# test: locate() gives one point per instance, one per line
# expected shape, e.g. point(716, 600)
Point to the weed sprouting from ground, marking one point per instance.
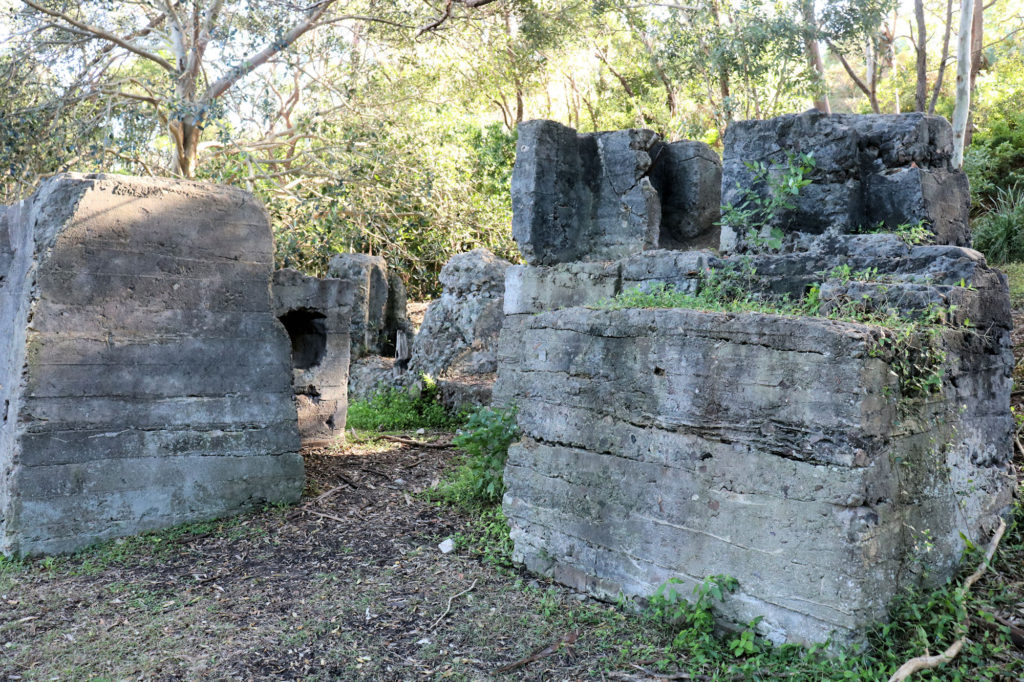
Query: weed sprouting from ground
point(476, 485)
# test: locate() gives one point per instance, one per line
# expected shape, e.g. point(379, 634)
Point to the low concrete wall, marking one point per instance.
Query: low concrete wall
point(664, 444)
point(145, 377)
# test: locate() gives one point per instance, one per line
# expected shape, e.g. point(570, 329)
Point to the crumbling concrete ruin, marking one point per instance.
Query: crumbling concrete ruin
point(821, 463)
point(458, 341)
point(316, 314)
point(380, 328)
point(144, 378)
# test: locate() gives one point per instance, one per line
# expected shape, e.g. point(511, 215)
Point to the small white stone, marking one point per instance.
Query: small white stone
point(447, 546)
point(420, 432)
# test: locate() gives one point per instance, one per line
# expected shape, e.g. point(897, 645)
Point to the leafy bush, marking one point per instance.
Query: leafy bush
point(396, 409)
point(999, 233)
point(477, 482)
point(757, 211)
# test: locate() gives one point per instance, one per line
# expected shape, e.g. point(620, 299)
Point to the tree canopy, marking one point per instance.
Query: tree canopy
point(389, 127)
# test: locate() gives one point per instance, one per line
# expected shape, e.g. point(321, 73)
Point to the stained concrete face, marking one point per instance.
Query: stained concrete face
point(604, 196)
point(871, 172)
point(378, 302)
point(145, 377)
point(792, 453)
point(315, 313)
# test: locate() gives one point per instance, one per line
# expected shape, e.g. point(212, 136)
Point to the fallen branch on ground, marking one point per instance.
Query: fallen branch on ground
point(450, 600)
point(326, 516)
point(927, 662)
point(417, 443)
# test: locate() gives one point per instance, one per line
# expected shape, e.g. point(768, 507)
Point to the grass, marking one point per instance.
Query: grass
point(1015, 273)
point(397, 409)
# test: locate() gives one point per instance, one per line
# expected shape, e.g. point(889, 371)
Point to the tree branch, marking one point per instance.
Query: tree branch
point(100, 33)
point(849, 70)
point(470, 4)
point(227, 80)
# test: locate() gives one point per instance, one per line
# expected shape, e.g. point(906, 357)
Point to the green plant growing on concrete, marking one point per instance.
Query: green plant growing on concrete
point(914, 234)
point(754, 215)
point(398, 409)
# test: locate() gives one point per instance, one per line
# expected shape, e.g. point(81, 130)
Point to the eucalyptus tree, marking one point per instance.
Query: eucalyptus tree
point(178, 58)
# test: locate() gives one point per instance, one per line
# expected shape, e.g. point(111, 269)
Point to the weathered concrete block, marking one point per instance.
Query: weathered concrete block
point(459, 335)
point(688, 178)
point(534, 289)
point(871, 171)
point(665, 444)
point(369, 277)
point(144, 379)
point(603, 196)
point(315, 312)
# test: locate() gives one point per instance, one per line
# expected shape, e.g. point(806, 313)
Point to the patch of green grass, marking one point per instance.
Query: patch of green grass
point(1015, 273)
point(396, 409)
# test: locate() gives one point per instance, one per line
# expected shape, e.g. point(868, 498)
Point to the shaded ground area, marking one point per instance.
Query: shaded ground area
point(350, 585)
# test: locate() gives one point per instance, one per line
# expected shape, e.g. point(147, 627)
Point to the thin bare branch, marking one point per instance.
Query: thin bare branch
point(226, 81)
point(105, 35)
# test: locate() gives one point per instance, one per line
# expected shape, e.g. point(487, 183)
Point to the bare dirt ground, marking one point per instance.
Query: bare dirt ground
point(350, 585)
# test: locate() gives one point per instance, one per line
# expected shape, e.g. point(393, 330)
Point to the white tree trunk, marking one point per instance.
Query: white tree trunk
point(963, 81)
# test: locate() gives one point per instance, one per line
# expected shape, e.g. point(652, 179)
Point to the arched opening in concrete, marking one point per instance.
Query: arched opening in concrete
point(308, 333)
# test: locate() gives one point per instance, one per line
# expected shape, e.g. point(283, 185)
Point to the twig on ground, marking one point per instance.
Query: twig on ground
point(417, 443)
point(568, 639)
point(450, 600)
point(326, 516)
point(927, 662)
point(378, 472)
point(1016, 633)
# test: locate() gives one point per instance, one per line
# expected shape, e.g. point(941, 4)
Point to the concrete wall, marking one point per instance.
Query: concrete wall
point(784, 451)
point(315, 313)
point(147, 381)
point(664, 444)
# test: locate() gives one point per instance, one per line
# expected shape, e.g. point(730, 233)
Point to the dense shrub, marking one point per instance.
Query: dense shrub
point(999, 233)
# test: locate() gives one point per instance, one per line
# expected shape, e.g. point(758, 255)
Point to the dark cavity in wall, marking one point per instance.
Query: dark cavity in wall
point(307, 331)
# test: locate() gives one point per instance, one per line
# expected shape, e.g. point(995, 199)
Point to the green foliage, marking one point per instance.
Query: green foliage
point(1015, 273)
point(999, 233)
point(477, 483)
point(771, 191)
point(914, 234)
point(915, 355)
point(397, 409)
point(995, 157)
point(487, 537)
point(728, 289)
